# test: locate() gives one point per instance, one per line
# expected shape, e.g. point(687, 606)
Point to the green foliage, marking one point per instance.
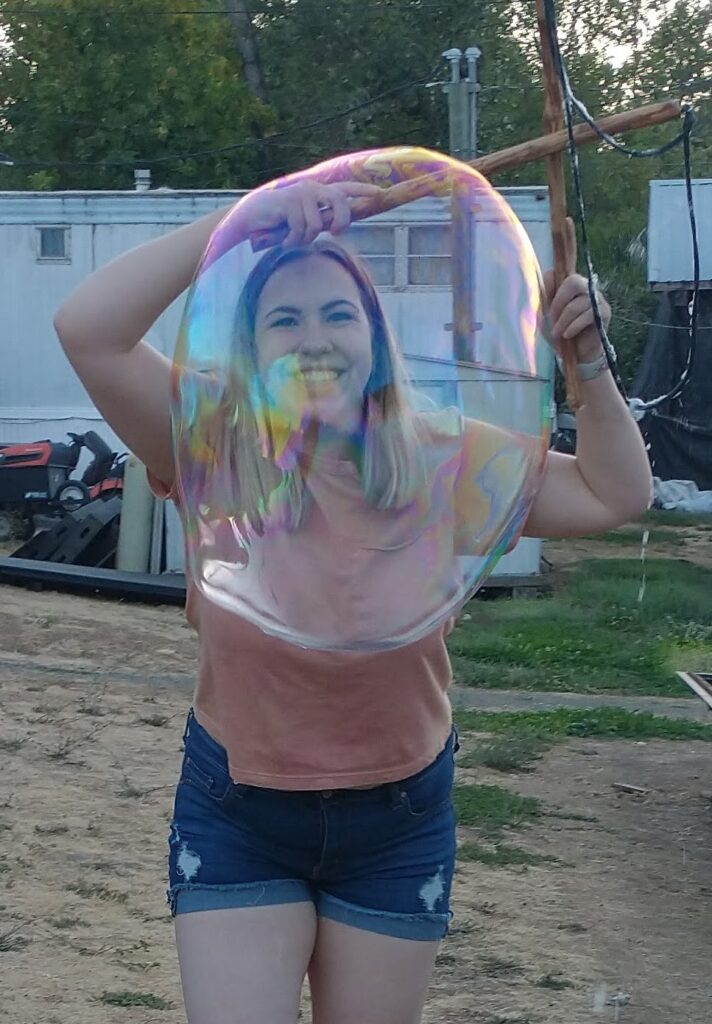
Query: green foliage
point(673, 518)
point(606, 723)
point(513, 754)
point(10, 942)
point(97, 891)
point(634, 535)
point(502, 855)
point(135, 999)
point(491, 808)
point(83, 81)
point(356, 50)
point(109, 83)
point(595, 636)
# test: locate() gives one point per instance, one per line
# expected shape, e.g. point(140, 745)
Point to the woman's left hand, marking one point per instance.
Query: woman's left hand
point(571, 310)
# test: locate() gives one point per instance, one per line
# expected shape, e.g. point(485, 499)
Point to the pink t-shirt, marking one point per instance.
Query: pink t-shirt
point(292, 718)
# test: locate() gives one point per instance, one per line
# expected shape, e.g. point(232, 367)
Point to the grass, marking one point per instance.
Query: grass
point(558, 724)
point(554, 982)
point(671, 518)
point(93, 710)
point(498, 1019)
point(135, 999)
point(497, 967)
point(492, 808)
point(10, 745)
point(157, 721)
point(101, 892)
point(627, 535)
point(510, 754)
point(10, 942)
point(501, 855)
point(67, 922)
point(593, 636)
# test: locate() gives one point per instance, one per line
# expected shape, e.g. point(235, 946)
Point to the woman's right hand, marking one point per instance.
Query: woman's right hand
point(296, 214)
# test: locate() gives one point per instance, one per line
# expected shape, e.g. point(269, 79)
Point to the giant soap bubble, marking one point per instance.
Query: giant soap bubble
point(361, 422)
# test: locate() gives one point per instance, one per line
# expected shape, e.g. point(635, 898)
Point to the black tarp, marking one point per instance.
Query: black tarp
point(679, 431)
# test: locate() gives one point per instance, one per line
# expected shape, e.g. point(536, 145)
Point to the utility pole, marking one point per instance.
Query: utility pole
point(462, 94)
point(462, 90)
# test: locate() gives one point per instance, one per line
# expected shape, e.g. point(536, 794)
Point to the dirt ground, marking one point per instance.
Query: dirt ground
point(691, 543)
point(93, 696)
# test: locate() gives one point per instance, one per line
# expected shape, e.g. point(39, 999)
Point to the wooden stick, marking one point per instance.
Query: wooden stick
point(463, 306)
point(553, 104)
point(555, 142)
point(493, 163)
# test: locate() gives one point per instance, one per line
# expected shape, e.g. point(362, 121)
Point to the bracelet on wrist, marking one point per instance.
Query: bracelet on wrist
point(589, 371)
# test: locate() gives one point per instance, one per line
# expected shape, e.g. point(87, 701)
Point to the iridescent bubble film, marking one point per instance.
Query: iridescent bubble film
point(361, 422)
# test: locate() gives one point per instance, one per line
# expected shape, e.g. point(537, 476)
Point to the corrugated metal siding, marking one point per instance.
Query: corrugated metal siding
point(669, 234)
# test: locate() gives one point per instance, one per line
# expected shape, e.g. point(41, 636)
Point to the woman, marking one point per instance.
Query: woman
point(306, 454)
point(313, 830)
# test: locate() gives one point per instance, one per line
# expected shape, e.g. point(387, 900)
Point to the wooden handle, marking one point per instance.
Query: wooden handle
point(553, 105)
point(437, 183)
point(556, 142)
point(494, 163)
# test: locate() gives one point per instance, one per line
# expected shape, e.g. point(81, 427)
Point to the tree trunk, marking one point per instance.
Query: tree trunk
point(236, 11)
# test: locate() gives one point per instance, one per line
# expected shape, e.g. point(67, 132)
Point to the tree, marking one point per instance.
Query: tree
point(244, 35)
point(320, 57)
point(113, 84)
point(119, 80)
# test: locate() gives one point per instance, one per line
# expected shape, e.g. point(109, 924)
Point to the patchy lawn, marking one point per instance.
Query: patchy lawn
point(612, 624)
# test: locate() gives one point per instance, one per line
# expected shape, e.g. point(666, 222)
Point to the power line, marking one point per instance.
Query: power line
point(572, 103)
point(653, 323)
point(272, 139)
point(26, 12)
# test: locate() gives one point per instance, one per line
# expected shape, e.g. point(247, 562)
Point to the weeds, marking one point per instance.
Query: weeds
point(67, 922)
point(100, 892)
point(93, 710)
point(608, 723)
point(10, 745)
point(11, 942)
point(502, 855)
point(515, 753)
point(135, 999)
point(491, 808)
point(51, 830)
point(496, 967)
point(593, 636)
point(63, 749)
point(554, 982)
point(157, 720)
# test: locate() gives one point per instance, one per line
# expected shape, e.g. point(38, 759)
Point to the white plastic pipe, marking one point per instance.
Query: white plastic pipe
point(136, 526)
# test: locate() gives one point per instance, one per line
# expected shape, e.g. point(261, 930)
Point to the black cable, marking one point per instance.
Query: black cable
point(611, 356)
point(571, 103)
point(25, 12)
point(272, 139)
point(654, 323)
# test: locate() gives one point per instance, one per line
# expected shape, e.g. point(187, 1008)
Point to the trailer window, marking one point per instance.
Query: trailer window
point(429, 255)
point(53, 244)
point(375, 243)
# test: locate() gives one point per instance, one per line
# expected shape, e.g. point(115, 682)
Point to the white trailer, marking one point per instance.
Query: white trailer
point(50, 241)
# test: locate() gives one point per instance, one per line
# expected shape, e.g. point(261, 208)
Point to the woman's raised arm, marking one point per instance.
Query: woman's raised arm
point(103, 323)
point(102, 326)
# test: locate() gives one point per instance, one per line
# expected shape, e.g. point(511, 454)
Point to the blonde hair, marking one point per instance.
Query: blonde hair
point(246, 478)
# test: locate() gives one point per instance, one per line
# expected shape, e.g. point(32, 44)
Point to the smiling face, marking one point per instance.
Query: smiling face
point(314, 341)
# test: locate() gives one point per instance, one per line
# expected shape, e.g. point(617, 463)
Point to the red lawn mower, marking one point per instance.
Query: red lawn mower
point(36, 480)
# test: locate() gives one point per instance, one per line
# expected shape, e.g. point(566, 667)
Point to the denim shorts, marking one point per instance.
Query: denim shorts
point(378, 859)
